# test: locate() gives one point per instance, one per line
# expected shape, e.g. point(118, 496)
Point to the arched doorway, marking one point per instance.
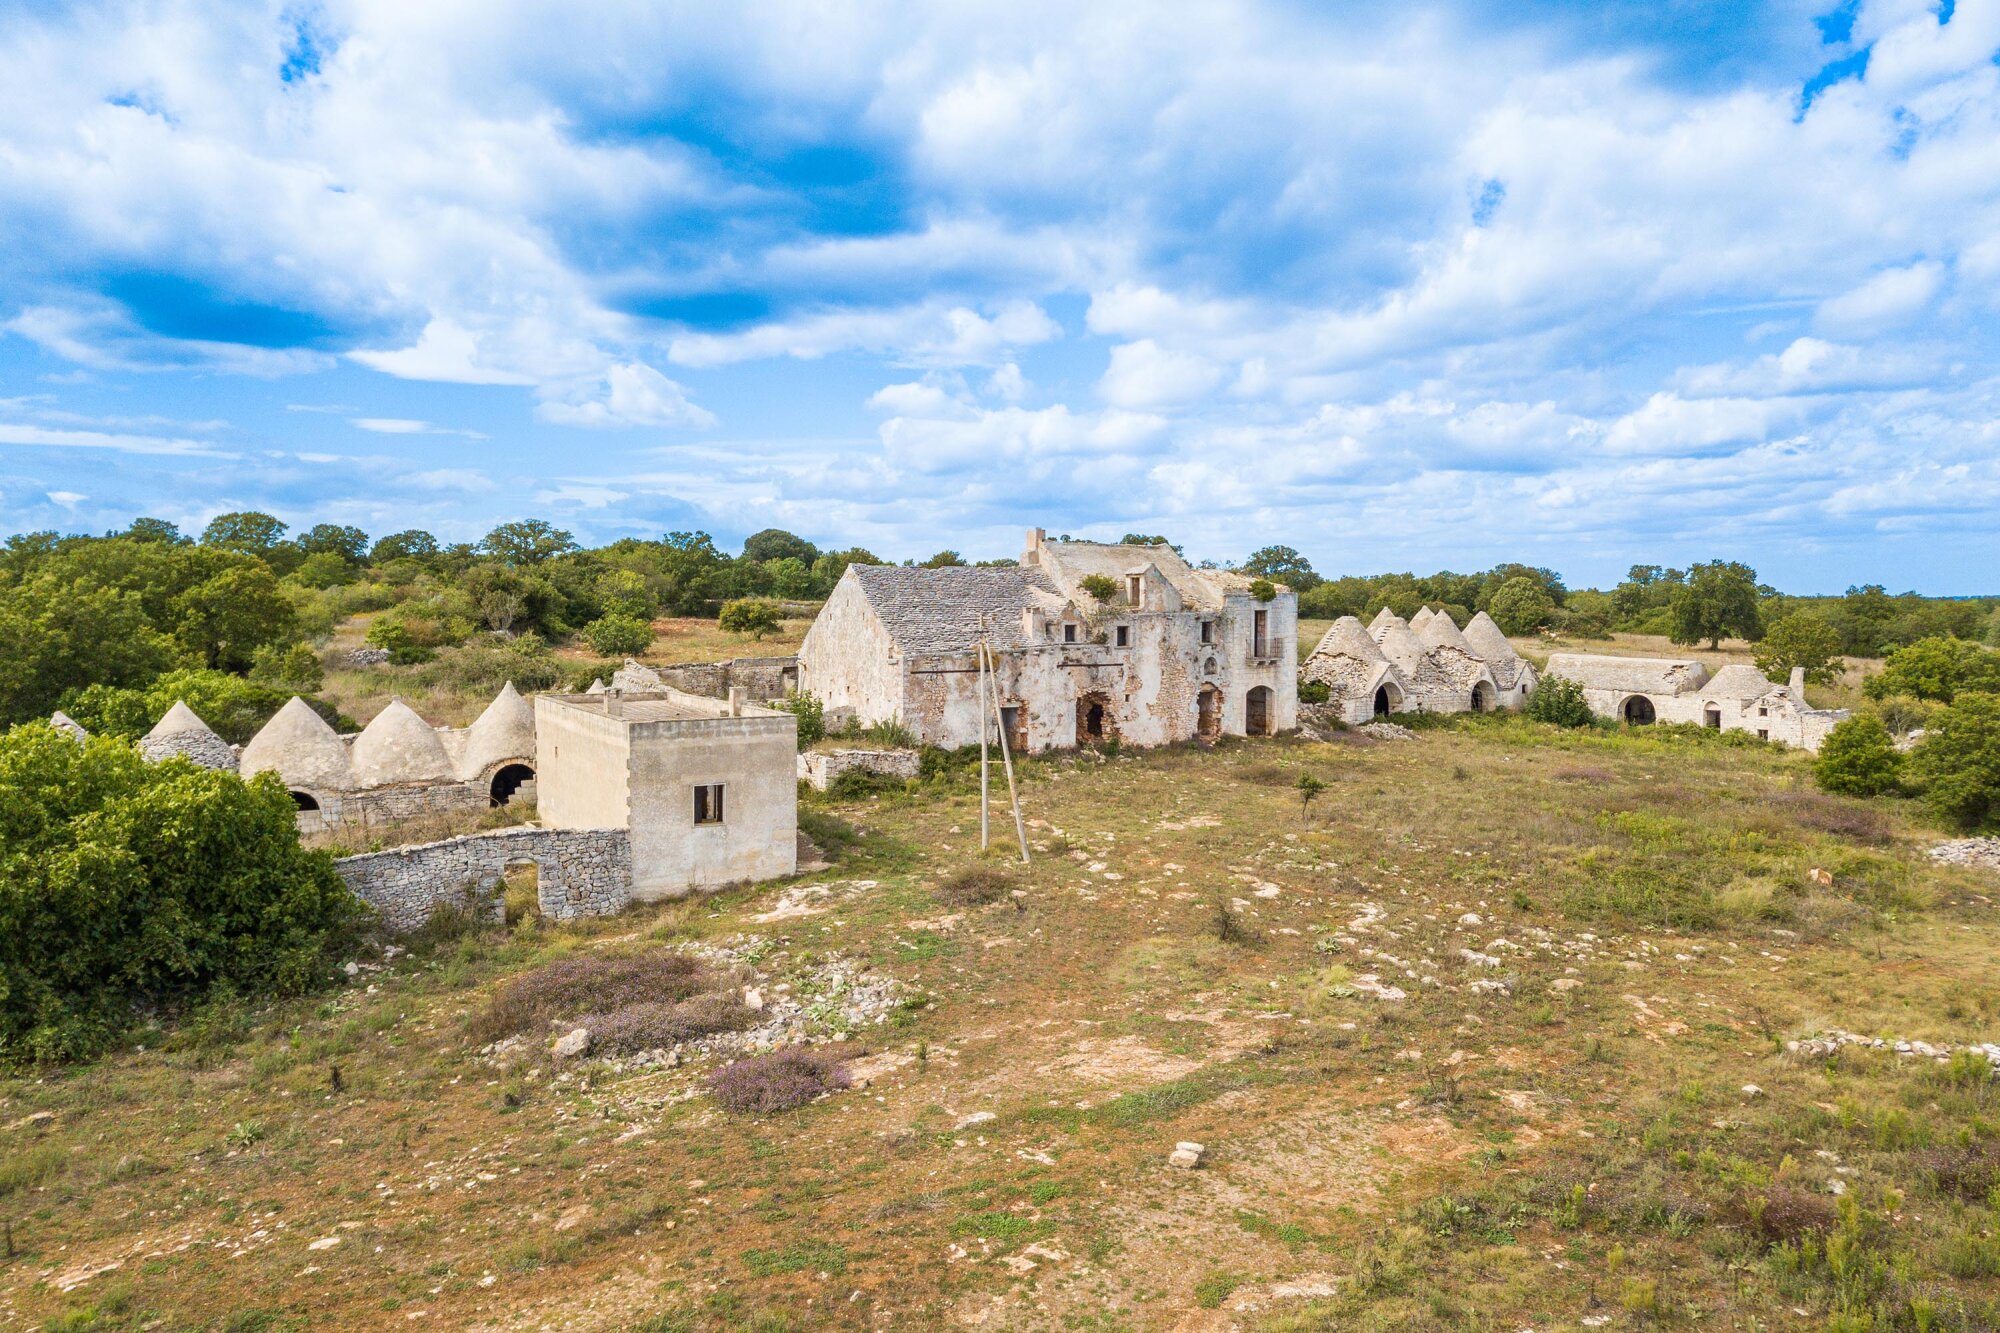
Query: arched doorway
point(1711, 717)
point(508, 780)
point(305, 801)
point(1094, 721)
point(1638, 711)
point(1382, 701)
point(1257, 712)
point(1208, 713)
point(1482, 697)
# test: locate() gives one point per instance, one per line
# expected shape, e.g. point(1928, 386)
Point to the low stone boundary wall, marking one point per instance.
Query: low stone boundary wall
point(760, 678)
point(822, 767)
point(580, 872)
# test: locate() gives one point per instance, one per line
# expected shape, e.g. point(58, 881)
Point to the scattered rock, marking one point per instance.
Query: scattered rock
point(573, 1045)
point(1386, 731)
point(352, 969)
point(1981, 852)
point(363, 657)
point(1186, 1156)
point(753, 998)
point(1370, 984)
point(1752, 1090)
point(976, 1118)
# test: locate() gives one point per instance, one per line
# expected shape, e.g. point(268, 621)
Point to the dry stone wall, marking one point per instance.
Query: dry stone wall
point(581, 872)
point(823, 767)
point(760, 678)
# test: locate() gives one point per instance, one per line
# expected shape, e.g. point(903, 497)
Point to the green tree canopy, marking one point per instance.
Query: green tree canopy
point(334, 539)
point(528, 541)
point(1957, 763)
point(1937, 668)
point(754, 616)
point(1522, 605)
point(249, 532)
point(777, 544)
point(410, 543)
point(225, 620)
point(1719, 599)
point(1858, 758)
point(1281, 564)
point(1802, 639)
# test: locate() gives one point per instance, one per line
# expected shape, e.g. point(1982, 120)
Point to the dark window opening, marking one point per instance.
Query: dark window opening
point(1094, 721)
point(1014, 723)
point(1069, 634)
point(1712, 718)
point(1638, 711)
point(304, 800)
point(1382, 702)
point(1259, 634)
point(1208, 713)
point(708, 804)
point(510, 779)
point(1208, 631)
point(1135, 589)
point(1124, 637)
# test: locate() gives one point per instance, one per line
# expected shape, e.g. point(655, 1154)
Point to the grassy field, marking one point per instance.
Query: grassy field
point(1491, 1036)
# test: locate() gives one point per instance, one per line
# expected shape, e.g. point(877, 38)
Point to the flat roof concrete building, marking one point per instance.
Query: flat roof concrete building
point(708, 788)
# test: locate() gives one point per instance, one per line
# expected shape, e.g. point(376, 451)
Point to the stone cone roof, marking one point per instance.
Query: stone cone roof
point(68, 726)
point(1423, 617)
point(596, 685)
point(506, 730)
point(1487, 640)
point(301, 748)
point(1400, 646)
point(1382, 617)
point(1440, 632)
point(182, 733)
point(398, 746)
point(1349, 637)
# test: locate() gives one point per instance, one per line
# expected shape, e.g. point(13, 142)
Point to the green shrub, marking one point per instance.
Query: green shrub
point(754, 616)
point(1939, 668)
point(234, 707)
point(1314, 691)
point(1561, 702)
point(1100, 586)
point(126, 885)
point(810, 712)
point(1957, 763)
point(1859, 758)
point(619, 635)
point(1263, 590)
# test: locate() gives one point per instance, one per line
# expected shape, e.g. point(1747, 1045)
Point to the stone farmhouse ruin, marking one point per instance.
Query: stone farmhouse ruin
point(1644, 690)
point(643, 792)
point(1423, 665)
point(1168, 652)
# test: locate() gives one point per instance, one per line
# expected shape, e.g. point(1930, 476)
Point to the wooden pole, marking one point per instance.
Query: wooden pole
point(985, 799)
point(1006, 755)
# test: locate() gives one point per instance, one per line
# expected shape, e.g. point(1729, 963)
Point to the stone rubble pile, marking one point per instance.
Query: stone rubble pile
point(1826, 1043)
point(1981, 852)
point(1386, 731)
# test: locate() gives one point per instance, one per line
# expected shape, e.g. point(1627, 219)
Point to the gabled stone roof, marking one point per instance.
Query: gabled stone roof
point(505, 731)
point(938, 610)
point(301, 748)
point(182, 733)
point(1630, 675)
point(1738, 681)
point(398, 746)
point(1351, 664)
point(1069, 563)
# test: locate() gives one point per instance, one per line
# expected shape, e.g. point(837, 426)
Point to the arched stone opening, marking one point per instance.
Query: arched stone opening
point(305, 801)
point(1482, 697)
point(507, 780)
point(1095, 723)
point(1208, 713)
point(1257, 711)
point(1711, 717)
point(1382, 701)
point(1638, 711)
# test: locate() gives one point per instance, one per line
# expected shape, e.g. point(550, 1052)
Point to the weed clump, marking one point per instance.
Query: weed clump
point(776, 1081)
point(573, 986)
point(975, 887)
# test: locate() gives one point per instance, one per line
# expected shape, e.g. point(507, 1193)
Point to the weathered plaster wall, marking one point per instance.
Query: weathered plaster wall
point(582, 767)
point(580, 872)
point(847, 660)
point(1780, 718)
point(755, 760)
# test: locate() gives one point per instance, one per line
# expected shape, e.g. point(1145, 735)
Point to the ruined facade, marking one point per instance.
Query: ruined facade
point(1644, 690)
point(1166, 653)
point(706, 789)
point(399, 766)
point(1423, 665)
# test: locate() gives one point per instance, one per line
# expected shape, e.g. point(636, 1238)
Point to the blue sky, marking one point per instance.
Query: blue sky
point(1407, 286)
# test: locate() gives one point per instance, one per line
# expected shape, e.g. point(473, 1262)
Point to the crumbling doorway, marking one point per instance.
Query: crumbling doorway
point(1208, 713)
point(1638, 711)
point(1094, 722)
point(1382, 701)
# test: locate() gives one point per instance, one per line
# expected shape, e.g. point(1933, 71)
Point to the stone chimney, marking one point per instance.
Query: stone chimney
point(1037, 538)
point(1033, 623)
point(736, 701)
point(1799, 686)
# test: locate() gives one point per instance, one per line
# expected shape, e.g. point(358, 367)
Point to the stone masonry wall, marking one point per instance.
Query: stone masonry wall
point(822, 767)
point(760, 678)
point(581, 872)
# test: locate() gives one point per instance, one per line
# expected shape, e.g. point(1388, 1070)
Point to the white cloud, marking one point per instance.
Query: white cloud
point(1884, 301)
point(68, 499)
point(39, 437)
point(1670, 424)
point(445, 351)
point(408, 426)
point(631, 394)
point(926, 335)
point(1144, 374)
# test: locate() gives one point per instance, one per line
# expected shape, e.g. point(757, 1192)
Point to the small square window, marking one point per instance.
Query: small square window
point(1124, 636)
point(1208, 631)
point(1069, 634)
point(708, 804)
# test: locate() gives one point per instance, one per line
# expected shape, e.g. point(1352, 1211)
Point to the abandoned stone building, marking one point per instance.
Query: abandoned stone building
point(399, 766)
point(1166, 653)
point(707, 789)
point(1644, 690)
point(1423, 665)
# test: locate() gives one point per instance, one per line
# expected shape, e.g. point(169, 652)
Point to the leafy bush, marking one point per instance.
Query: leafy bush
point(1100, 586)
point(810, 712)
point(1957, 763)
point(619, 635)
point(754, 616)
point(1263, 590)
point(1859, 758)
point(1560, 701)
point(125, 884)
point(1939, 668)
point(485, 664)
point(1314, 691)
point(233, 707)
point(777, 1081)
